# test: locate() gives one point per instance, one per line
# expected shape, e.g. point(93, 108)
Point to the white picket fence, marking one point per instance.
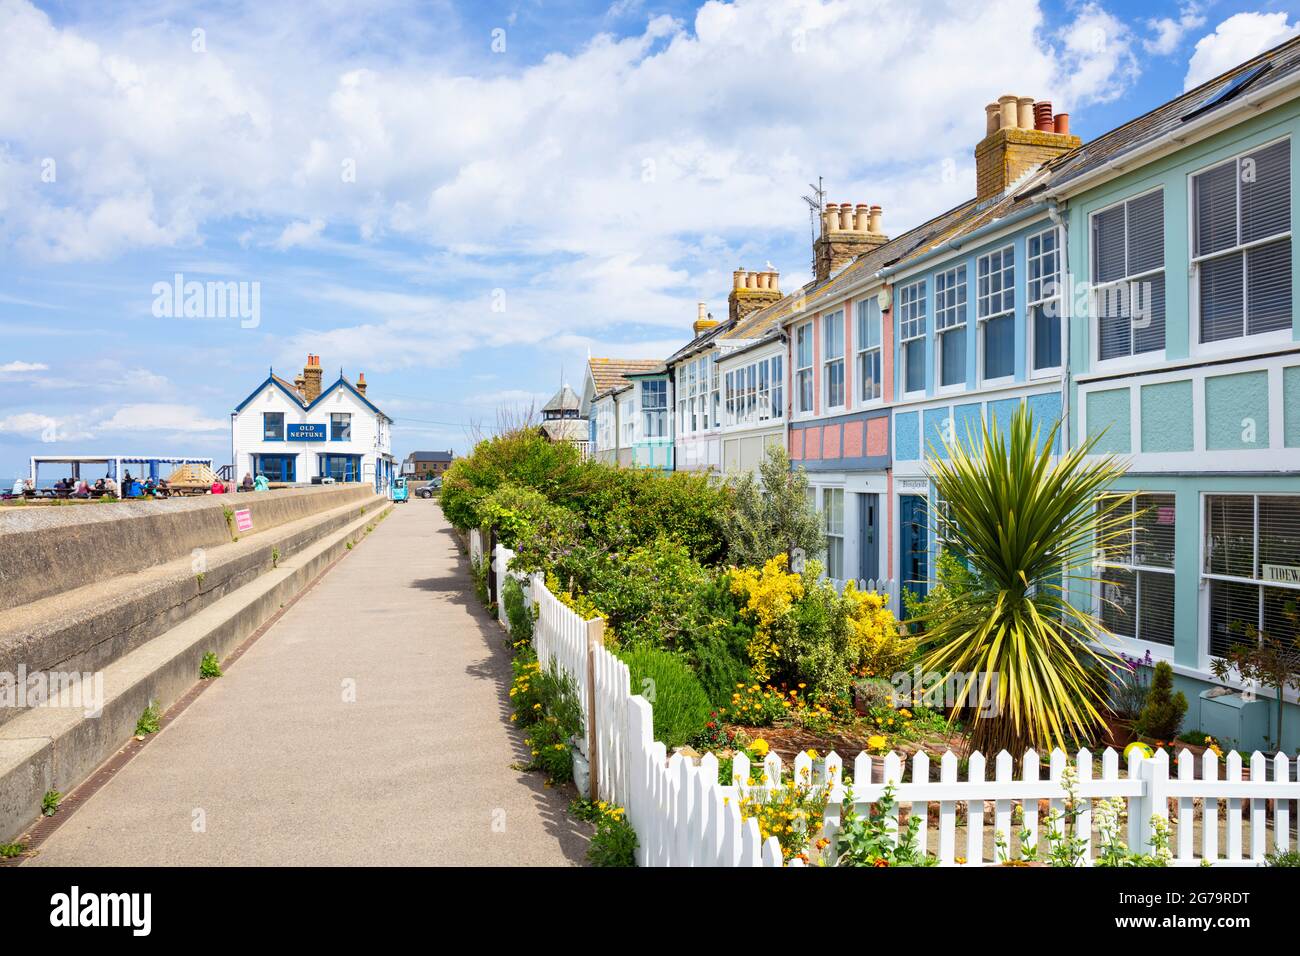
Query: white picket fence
point(685, 816)
point(475, 546)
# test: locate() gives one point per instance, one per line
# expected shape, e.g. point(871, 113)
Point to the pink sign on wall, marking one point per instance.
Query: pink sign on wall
point(243, 520)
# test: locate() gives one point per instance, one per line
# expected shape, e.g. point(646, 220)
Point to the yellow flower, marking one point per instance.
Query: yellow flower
point(877, 742)
point(759, 746)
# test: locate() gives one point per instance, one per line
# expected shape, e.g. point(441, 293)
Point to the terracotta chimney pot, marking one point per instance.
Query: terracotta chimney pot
point(1010, 111)
point(846, 216)
point(1043, 116)
point(992, 118)
point(1025, 114)
point(861, 217)
point(873, 221)
point(1062, 124)
point(832, 217)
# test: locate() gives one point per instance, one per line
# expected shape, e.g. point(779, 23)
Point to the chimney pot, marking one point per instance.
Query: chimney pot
point(1025, 114)
point(1010, 111)
point(861, 217)
point(992, 118)
point(832, 217)
point(846, 216)
point(702, 312)
point(873, 221)
point(1043, 116)
point(1062, 124)
point(738, 279)
point(751, 280)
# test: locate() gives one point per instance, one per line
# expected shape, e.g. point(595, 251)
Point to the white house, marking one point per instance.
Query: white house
point(298, 432)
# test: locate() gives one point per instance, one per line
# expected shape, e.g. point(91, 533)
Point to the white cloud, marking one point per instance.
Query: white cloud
point(605, 189)
point(300, 234)
point(9, 368)
point(161, 417)
point(1168, 33)
point(1235, 40)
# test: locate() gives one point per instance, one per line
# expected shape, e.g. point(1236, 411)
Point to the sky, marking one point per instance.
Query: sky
point(464, 200)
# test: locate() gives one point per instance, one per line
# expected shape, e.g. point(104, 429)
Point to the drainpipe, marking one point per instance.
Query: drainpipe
point(1062, 224)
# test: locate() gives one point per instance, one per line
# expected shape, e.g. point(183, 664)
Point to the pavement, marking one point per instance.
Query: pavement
point(368, 726)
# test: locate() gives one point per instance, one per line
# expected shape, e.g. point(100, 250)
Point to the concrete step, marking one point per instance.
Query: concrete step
point(87, 628)
point(55, 747)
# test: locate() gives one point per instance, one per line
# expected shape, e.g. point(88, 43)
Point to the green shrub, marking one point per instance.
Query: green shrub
point(614, 843)
point(50, 802)
point(209, 667)
point(1163, 712)
point(873, 692)
point(772, 514)
point(518, 613)
point(715, 642)
point(1284, 858)
point(681, 707)
point(480, 570)
point(149, 721)
point(521, 457)
point(550, 738)
point(650, 597)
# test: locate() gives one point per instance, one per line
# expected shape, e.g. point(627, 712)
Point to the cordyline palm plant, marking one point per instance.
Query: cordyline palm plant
point(1026, 525)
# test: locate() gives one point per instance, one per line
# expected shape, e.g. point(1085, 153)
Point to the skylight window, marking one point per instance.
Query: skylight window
point(1229, 90)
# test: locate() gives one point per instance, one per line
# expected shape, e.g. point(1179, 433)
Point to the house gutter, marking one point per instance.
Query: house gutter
point(955, 244)
point(1286, 86)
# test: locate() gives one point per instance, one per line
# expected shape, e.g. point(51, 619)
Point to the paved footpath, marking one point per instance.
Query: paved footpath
point(271, 765)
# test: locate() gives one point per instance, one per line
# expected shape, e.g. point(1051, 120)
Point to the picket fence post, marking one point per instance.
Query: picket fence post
point(595, 642)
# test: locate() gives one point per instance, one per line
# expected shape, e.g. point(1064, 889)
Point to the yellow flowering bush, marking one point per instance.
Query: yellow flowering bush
point(793, 813)
point(877, 640)
point(770, 595)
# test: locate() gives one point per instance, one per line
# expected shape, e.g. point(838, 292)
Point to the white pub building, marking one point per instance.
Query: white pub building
point(297, 432)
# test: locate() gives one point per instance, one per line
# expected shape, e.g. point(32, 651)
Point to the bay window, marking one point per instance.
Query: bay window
point(1252, 568)
point(869, 370)
point(996, 311)
point(654, 408)
point(1128, 277)
point(911, 335)
point(1044, 301)
point(803, 363)
point(950, 325)
point(1241, 237)
point(833, 358)
point(1136, 571)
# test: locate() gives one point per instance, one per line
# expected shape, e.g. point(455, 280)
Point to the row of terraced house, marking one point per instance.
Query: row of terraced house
point(1139, 286)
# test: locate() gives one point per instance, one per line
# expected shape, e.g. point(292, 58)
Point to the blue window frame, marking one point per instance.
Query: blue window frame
point(340, 426)
point(276, 467)
point(996, 310)
point(272, 426)
point(911, 333)
point(341, 467)
point(950, 325)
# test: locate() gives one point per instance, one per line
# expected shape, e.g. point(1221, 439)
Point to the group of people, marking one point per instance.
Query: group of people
point(131, 487)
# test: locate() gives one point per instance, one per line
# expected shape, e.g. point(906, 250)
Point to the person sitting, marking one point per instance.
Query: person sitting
point(260, 483)
point(110, 486)
point(163, 489)
point(83, 489)
point(247, 483)
point(99, 486)
point(217, 487)
point(20, 485)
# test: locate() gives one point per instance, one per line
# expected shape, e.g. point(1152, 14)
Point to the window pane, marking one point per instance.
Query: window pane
point(1108, 245)
point(915, 362)
point(952, 346)
point(1147, 298)
point(1114, 327)
point(1230, 535)
point(1119, 601)
point(835, 383)
point(1216, 209)
point(1268, 288)
point(1279, 535)
point(999, 347)
point(1266, 192)
point(1154, 536)
point(1156, 607)
point(1146, 233)
point(1047, 335)
point(1233, 608)
point(1119, 549)
point(1221, 298)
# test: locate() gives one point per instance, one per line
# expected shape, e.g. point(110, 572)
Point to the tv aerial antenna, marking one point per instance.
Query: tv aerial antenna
point(816, 203)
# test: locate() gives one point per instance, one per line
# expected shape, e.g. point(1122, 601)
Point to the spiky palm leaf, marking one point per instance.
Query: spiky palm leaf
point(1028, 526)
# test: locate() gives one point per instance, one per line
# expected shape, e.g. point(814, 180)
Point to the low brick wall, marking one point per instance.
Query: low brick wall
point(47, 551)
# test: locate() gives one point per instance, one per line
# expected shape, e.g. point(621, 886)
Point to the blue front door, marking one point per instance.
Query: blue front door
point(869, 536)
point(914, 543)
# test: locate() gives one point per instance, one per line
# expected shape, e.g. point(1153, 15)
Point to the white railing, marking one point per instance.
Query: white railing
point(685, 816)
point(475, 546)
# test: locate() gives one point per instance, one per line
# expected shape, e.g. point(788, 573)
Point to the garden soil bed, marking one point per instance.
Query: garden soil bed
point(787, 742)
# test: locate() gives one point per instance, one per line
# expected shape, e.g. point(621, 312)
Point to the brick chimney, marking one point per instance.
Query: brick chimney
point(311, 374)
point(751, 291)
point(361, 383)
point(848, 231)
point(704, 319)
point(1020, 135)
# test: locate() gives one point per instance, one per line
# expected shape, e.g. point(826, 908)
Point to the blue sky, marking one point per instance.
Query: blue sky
point(462, 200)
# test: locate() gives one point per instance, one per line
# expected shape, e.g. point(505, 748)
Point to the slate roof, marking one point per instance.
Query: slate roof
point(1283, 61)
point(610, 373)
point(563, 400)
